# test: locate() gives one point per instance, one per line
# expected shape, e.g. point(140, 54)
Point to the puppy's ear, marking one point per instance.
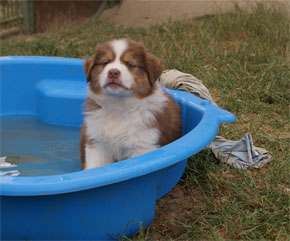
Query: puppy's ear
point(154, 67)
point(88, 66)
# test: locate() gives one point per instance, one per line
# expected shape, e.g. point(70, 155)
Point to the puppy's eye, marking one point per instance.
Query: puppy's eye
point(129, 65)
point(106, 62)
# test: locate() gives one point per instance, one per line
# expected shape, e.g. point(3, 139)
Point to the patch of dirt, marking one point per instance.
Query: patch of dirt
point(144, 13)
point(173, 209)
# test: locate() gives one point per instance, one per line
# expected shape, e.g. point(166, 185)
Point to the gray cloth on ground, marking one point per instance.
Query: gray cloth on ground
point(239, 154)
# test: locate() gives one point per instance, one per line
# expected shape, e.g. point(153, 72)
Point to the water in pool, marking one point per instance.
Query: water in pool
point(29, 147)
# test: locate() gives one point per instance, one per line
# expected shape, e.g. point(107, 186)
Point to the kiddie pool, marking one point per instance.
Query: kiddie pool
point(96, 204)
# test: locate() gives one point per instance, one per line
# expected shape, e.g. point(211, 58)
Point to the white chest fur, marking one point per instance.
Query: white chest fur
point(123, 128)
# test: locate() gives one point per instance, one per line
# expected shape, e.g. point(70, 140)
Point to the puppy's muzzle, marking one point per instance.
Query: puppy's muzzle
point(114, 79)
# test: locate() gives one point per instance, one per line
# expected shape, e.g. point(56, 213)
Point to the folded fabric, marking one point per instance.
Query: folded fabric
point(239, 154)
point(174, 79)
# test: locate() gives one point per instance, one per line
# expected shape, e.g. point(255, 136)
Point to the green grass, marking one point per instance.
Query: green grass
point(243, 58)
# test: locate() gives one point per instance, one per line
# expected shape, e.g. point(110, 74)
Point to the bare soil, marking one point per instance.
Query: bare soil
point(173, 210)
point(144, 13)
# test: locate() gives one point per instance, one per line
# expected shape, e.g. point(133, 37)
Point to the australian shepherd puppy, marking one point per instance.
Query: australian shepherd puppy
point(127, 111)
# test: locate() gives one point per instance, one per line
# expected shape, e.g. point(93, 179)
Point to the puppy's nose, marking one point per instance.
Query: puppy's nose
point(113, 74)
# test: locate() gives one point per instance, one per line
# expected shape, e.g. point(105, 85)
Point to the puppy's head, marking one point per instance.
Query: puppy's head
point(122, 68)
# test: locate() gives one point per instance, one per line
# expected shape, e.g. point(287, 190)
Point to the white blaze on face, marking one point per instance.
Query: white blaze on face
point(119, 47)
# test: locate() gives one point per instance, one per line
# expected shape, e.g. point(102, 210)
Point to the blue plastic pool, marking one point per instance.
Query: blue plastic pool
point(95, 204)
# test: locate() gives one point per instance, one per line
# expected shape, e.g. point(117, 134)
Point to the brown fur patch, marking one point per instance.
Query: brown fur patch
point(91, 105)
point(94, 79)
point(145, 68)
point(95, 65)
point(169, 122)
point(82, 145)
point(128, 58)
point(154, 67)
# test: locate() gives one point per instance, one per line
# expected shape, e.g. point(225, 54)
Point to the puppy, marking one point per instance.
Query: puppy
point(127, 111)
